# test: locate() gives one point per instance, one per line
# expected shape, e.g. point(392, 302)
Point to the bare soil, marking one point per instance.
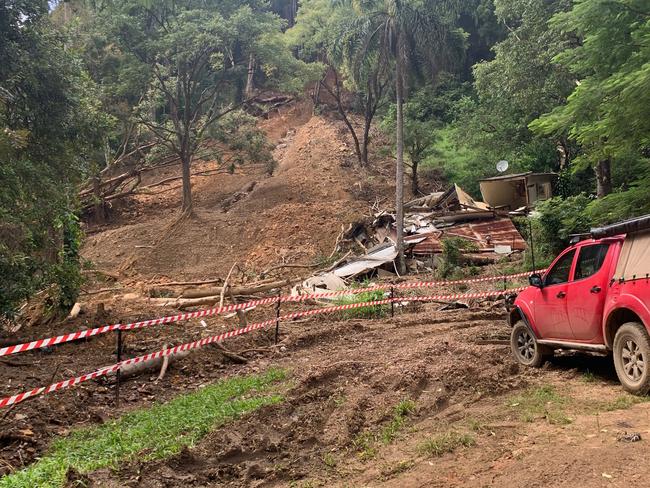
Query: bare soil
point(294, 215)
point(348, 377)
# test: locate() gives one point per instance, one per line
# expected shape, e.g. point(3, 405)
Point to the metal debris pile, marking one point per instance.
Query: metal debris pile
point(431, 219)
point(428, 221)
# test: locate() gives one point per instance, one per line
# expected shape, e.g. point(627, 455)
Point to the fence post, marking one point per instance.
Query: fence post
point(277, 318)
point(392, 302)
point(118, 373)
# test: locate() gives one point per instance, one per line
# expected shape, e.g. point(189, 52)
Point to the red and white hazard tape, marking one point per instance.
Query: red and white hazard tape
point(408, 285)
point(430, 284)
point(459, 296)
point(5, 402)
point(73, 336)
point(115, 367)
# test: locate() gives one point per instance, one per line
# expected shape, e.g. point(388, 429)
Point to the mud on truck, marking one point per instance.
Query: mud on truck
point(594, 297)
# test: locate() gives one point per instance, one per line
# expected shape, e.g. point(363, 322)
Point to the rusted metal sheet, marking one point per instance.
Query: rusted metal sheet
point(485, 235)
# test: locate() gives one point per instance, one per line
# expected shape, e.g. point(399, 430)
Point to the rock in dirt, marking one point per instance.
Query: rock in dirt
point(631, 437)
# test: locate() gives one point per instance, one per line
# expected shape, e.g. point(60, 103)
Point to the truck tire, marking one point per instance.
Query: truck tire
point(525, 348)
point(632, 357)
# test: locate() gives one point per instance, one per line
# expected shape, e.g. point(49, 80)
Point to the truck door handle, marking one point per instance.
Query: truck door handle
point(595, 289)
point(561, 295)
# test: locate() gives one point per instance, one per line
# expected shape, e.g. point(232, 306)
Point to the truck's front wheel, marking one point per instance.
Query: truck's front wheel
point(525, 348)
point(631, 356)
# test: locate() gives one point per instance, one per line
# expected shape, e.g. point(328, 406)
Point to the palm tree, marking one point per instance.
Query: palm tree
point(412, 35)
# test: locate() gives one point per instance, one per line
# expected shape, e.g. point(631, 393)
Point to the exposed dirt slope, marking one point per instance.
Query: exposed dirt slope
point(247, 217)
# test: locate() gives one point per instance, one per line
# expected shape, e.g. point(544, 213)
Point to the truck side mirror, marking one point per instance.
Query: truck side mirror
point(536, 280)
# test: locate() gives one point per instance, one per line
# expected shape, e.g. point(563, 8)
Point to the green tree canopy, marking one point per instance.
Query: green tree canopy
point(51, 131)
point(607, 111)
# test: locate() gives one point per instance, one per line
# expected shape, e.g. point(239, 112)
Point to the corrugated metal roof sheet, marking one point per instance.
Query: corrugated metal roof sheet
point(485, 234)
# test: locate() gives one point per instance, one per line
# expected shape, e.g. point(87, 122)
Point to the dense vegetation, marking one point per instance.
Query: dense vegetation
point(89, 85)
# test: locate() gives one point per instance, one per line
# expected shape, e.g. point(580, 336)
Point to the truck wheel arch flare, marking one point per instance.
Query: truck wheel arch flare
point(629, 308)
point(518, 313)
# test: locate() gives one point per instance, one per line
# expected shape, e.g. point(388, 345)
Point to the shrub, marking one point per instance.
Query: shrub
point(452, 262)
point(370, 311)
point(556, 219)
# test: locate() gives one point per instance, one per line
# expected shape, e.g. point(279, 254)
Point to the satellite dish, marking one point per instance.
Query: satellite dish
point(502, 166)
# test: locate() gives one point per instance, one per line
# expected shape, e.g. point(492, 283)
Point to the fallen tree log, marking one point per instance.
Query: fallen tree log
point(190, 283)
point(109, 274)
point(112, 181)
point(475, 260)
point(236, 290)
point(183, 303)
point(136, 189)
point(274, 99)
point(74, 313)
point(152, 364)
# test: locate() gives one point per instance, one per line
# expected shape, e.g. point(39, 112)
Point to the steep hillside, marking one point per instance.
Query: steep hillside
point(246, 217)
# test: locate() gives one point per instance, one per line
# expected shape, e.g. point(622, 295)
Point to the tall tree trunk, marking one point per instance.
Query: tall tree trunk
point(186, 161)
point(603, 178)
point(336, 94)
point(99, 202)
point(294, 12)
point(366, 140)
point(399, 171)
point(249, 80)
point(415, 183)
point(367, 119)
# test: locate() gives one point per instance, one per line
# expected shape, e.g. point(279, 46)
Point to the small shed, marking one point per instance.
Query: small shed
point(518, 190)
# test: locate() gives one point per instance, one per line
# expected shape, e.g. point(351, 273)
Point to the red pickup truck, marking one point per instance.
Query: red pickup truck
point(595, 296)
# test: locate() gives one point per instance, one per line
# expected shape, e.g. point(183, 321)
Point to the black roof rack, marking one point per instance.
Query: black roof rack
point(627, 226)
point(575, 238)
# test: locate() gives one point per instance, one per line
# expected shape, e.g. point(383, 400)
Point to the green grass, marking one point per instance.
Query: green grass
point(445, 443)
point(329, 460)
point(402, 410)
point(389, 471)
point(541, 402)
point(152, 433)
point(622, 402)
point(371, 311)
point(476, 425)
point(366, 442)
point(588, 377)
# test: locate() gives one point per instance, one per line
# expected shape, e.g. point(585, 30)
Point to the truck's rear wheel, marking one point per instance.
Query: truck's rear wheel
point(525, 348)
point(632, 356)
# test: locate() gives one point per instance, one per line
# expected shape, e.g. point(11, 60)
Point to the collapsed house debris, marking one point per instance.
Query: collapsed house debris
point(498, 235)
point(428, 221)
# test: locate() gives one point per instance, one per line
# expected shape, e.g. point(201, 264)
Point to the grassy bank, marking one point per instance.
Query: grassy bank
point(151, 433)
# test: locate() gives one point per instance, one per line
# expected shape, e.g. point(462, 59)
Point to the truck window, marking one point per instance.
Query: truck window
point(590, 260)
point(560, 272)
